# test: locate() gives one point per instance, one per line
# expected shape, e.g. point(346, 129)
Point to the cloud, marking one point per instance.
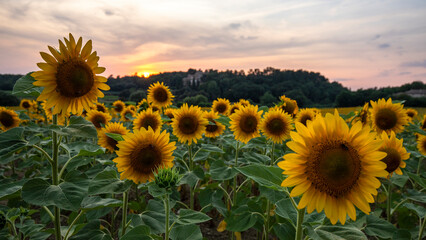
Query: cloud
point(420, 63)
point(383, 46)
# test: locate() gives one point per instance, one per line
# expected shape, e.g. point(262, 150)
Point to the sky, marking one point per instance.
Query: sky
point(360, 44)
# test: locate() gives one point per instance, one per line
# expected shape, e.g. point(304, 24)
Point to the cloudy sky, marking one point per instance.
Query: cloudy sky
point(357, 43)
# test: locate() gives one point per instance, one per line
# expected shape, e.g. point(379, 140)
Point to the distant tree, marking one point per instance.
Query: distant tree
point(268, 99)
point(137, 96)
point(7, 99)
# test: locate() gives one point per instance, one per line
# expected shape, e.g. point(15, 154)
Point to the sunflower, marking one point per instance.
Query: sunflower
point(245, 123)
point(387, 116)
point(424, 123)
point(395, 151)
point(26, 104)
point(132, 107)
point(411, 113)
point(363, 114)
point(69, 77)
point(304, 115)
point(276, 125)
point(107, 142)
point(421, 144)
point(244, 102)
point(221, 106)
point(213, 129)
point(100, 107)
point(8, 119)
point(234, 107)
point(333, 167)
point(125, 112)
point(142, 153)
point(169, 112)
point(289, 105)
point(147, 119)
point(98, 118)
point(119, 106)
point(159, 95)
point(189, 124)
point(142, 105)
point(154, 108)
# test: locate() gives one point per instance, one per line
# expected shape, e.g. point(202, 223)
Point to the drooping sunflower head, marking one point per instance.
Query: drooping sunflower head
point(169, 112)
point(288, 105)
point(159, 95)
point(214, 128)
point(396, 153)
point(276, 125)
point(245, 123)
point(98, 118)
point(304, 115)
point(234, 107)
point(334, 167)
point(8, 119)
point(363, 115)
point(69, 77)
point(221, 106)
point(421, 144)
point(142, 153)
point(388, 116)
point(412, 114)
point(189, 124)
point(147, 119)
point(100, 107)
point(125, 114)
point(107, 142)
point(244, 102)
point(119, 106)
point(26, 104)
point(142, 105)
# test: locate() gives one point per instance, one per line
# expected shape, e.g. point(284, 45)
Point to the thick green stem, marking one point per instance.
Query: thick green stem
point(389, 202)
point(299, 229)
point(55, 179)
point(124, 212)
point(73, 223)
point(268, 203)
point(234, 195)
point(191, 168)
point(167, 211)
point(422, 228)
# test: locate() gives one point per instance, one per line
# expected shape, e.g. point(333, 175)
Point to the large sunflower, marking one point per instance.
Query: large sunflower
point(98, 118)
point(8, 119)
point(388, 116)
point(147, 119)
point(69, 77)
point(276, 125)
point(214, 128)
point(411, 113)
point(245, 123)
point(107, 142)
point(421, 144)
point(396, 153)
point(159, 95)
point(26, 104)
point(289, 105)
point(119, 106)
point(304, 115)
point(142, 153)
point(333, 167)
point(189, 124)
point(221, 106)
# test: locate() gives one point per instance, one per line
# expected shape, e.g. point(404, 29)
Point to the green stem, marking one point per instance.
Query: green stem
point(300, 215)
point(44, 153)
point(73, 223)
point(389, 202)
point(419, 166)
point(167, 211)
point(422, 228)
point(49, 213)
point(64, 167)
point(124, 212)
point(234, 195)
point(191, 168)
point(55, 179)
point(268, 203)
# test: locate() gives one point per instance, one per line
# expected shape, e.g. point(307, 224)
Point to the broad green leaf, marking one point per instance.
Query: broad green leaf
point(84, 149)
point(91, 231)
point(419, 180)
point(285, 209)
point(211, 148)
point(188, 216)
point(191, 177)
point(416, 195)
point(186, 232)
point(401, 234)
point(268, 176)
point(253, 158)
point(379, 227)
point(420, 210)
point(284, 230)
point(272, 195)
point(399, 180)
point(336, 232)
point(415, 129)
point(11, 141)
point(220, 171)
point(90, 203)
point(24, 87)
point(240, 219)
point(138, 233)
point(117, 137)
point(224, 120)
point(10, 189)
point(107, 181)
point(78, 126)
point(156, 191)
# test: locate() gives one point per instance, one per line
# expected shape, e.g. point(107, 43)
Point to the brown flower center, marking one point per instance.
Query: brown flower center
point(386, 119)
point(392, 160)
point(100, 108)
point(145, 159)
point(6, 119)
point(276, 126)
point(335, 167)
point(149, 121)
point(289, 107)
point(221, 108)
point(233, 109)
point(112, 143)
point(74, 78)
point(248, 124)
point(26, 105)
point(160, 95)
point(305, 118)
point(211, 127)
point(188, 125)
point(98, 120)
point(119, 108)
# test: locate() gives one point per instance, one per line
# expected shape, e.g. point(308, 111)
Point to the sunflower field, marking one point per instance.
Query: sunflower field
point(74, 168)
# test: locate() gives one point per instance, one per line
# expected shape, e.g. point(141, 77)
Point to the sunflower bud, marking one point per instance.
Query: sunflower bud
point(167, 178)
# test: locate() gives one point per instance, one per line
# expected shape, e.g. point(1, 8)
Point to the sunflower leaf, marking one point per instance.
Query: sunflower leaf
point(107, 181)
point(379, 227)
point(186, 232)
point(336, 232)
point(12, 140)
point(268, 176)
point(78, 126)
point(24, 87)
point(117, 137)
point(138, 233)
